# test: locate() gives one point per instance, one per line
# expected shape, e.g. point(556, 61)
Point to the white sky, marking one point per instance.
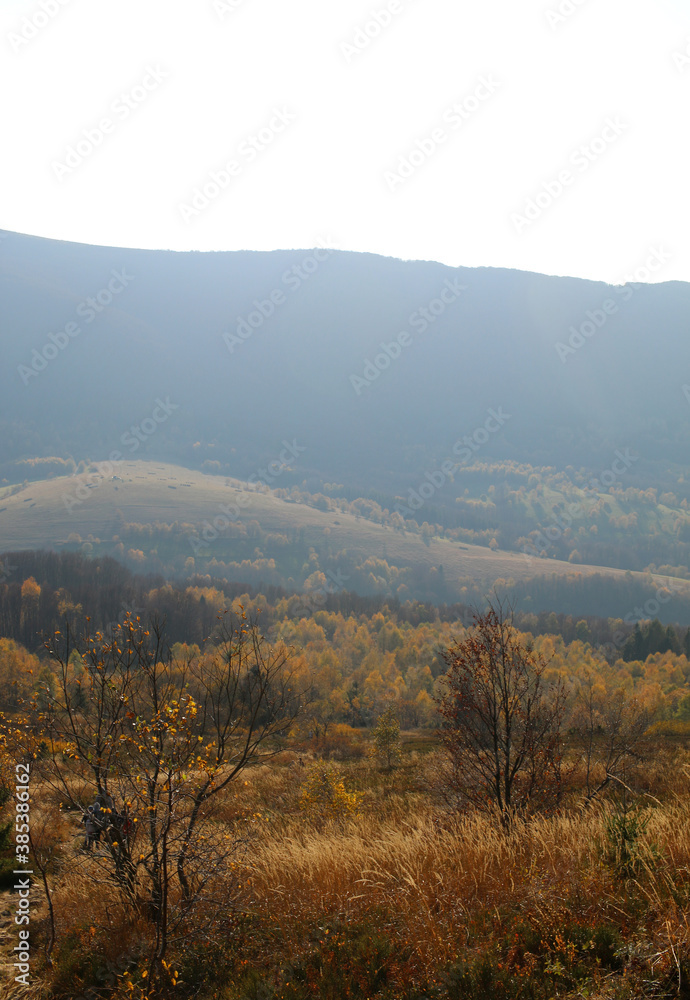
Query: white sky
point(323, 178)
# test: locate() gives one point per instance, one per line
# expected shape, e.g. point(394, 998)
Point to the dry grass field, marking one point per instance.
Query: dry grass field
point(398, 897)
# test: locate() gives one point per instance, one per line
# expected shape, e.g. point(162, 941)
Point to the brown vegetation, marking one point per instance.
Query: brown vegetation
point(325, 871)
point(403, 898)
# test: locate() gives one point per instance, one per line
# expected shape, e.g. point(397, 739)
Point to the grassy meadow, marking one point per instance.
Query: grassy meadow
point(380, 888)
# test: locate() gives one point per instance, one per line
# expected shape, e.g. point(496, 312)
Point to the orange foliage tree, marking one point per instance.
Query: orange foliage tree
point(161, 739)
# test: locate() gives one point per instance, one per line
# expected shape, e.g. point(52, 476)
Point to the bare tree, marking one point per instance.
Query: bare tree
point(608, 728)
point(502, 719)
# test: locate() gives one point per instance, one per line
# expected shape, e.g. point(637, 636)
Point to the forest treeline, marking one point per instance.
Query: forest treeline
point(360, 654)
point(39, 588)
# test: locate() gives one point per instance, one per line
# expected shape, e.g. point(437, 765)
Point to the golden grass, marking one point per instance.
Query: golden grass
point(432, 876)
point(444, 888)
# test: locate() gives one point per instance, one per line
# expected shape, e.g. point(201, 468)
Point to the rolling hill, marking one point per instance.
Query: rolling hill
point(162, 517)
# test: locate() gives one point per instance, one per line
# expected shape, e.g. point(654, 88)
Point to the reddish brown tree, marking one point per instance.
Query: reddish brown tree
point(502, 720)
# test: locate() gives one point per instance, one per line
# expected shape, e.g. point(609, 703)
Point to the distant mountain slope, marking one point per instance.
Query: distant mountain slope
point(147, 327)
point(161, 517)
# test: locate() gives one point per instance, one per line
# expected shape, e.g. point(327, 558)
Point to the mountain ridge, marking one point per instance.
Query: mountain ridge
point(384, 372)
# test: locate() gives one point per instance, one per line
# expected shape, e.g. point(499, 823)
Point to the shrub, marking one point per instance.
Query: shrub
point(348, 962)
point(623, 838)
point(338, 742)
point(323, 795)
point(387, 746)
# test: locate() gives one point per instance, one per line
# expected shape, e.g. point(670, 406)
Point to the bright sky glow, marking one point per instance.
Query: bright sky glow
point(309, 113)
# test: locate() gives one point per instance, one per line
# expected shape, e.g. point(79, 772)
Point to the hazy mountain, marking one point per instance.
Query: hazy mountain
point(147, 328)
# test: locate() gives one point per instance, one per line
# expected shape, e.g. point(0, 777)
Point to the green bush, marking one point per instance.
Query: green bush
point(624, 844)
point(347, 963)
point(79, 964)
